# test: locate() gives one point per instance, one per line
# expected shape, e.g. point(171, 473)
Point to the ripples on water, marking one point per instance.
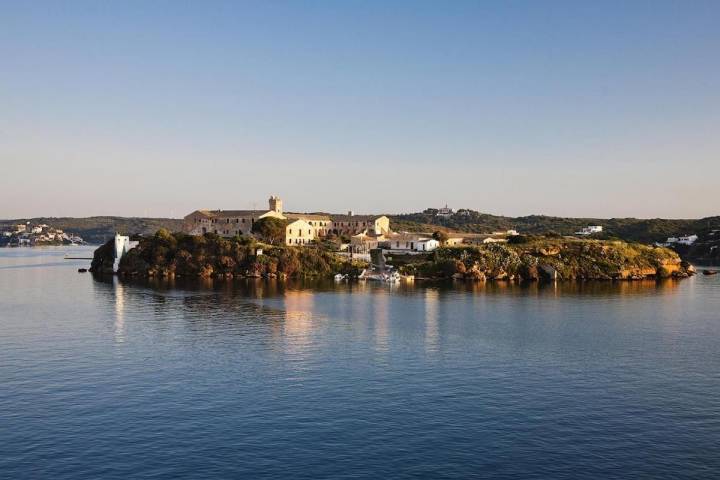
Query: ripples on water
point(255, 379)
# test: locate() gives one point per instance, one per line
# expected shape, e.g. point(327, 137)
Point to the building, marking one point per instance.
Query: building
point(408, 242)
point(686, 240)
point(226, 223)
point(445, 211)
point(302, 228)
point(352, 224)
point(300, 232)
point(123, 244)
point(427, 245)
point(589, 230)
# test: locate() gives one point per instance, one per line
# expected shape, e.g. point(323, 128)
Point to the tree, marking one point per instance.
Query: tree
point(441, 236)
point(270, 229)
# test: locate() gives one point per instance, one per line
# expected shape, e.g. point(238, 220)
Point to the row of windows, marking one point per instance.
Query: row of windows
point(300, 232)
point(312, 223)
point(227, 220)
point(298, 241)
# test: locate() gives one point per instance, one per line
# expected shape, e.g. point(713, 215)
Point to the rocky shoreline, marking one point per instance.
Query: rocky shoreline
point(549, 259)
point(166, 255)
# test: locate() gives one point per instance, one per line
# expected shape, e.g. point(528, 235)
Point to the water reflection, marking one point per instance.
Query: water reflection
point(119, 325)
point(381, 320)
point(299, 322)
point(432, 332)
point(296, 311)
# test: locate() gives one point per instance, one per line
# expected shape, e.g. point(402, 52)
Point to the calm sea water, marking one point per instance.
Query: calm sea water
point(100, 379)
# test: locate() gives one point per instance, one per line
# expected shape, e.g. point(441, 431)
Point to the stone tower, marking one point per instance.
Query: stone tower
point(276, 204)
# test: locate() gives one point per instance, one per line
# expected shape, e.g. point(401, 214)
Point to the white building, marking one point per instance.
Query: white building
point(427, 245)
point(123, 244)
point(408, 242)
point(511, 233)
point(686, 240)
point(444, 211)
point(589, 230)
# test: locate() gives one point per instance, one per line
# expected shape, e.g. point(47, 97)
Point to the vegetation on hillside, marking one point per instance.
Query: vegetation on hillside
point(533, 258)
point(168, 254)
point(628, 229)
point(171, 255)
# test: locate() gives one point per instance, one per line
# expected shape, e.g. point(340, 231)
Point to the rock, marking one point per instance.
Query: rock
point(688, 267)
point(667, 271)
point(476, 274)
point(549, 272)
point(550, 251)
point(529, 272)
point(499, 275)
point(206, 271)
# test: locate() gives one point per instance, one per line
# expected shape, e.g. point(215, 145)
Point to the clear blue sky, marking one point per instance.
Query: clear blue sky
point(577, 108)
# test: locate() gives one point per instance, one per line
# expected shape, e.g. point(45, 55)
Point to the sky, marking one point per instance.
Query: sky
point(152, 108)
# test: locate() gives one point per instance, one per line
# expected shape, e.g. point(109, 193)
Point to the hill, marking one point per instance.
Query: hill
point(630, 229)
point(96, 230)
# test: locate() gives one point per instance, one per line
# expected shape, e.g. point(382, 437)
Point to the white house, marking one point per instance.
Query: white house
point(427, 245)
point(589, 230)
point(408, 242)
point(686, 240)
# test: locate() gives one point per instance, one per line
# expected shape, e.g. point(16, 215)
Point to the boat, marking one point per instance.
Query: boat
point(340, 277)
point(387, 277)
point(710, 272)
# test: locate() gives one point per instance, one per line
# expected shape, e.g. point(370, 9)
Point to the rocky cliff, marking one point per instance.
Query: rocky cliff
point(552, 259)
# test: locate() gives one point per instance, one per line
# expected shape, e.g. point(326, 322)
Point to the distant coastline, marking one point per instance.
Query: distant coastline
point(706, 251)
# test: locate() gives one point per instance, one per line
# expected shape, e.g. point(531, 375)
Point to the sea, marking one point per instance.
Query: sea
point(108, 379)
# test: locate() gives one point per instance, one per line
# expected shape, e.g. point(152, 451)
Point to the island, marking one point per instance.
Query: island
point(522, 258)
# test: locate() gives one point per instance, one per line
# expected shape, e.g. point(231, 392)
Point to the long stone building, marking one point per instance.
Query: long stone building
point(302, 228)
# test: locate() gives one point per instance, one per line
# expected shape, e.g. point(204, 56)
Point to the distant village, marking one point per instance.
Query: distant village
point(28, 235)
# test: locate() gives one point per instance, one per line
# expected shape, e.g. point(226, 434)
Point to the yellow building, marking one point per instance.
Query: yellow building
point(302, 229)
point(351, 224)
point(226, 223)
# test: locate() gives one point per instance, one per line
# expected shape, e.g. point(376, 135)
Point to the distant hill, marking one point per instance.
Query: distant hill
point(633, 229)
point(96, 230)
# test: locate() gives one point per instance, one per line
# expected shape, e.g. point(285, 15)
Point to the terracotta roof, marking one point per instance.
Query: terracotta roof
point(307, 216)
point(408, 237)
point(354, 218)
point(232, 213)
